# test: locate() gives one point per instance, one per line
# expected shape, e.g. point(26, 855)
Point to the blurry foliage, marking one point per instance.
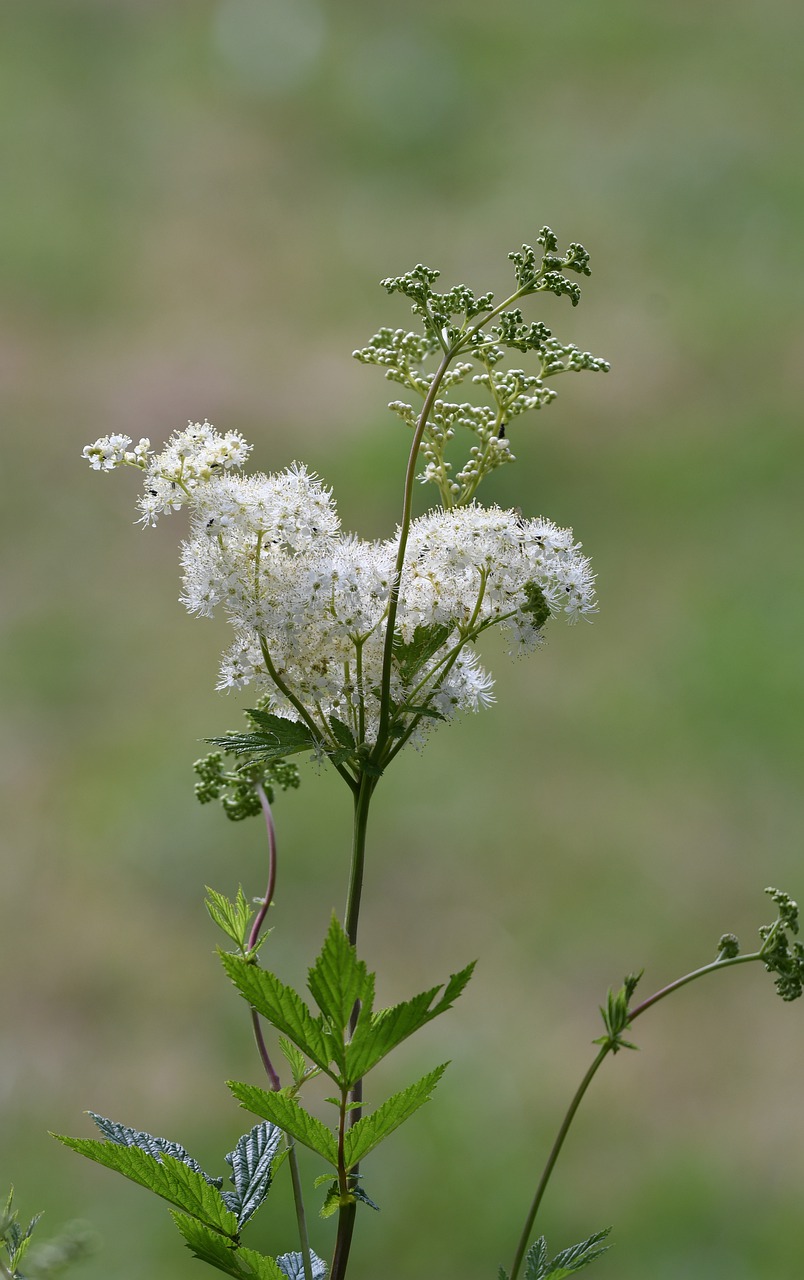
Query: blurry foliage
point(177, 216)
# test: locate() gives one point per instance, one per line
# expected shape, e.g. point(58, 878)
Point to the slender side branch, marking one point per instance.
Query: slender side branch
point(404, 529)
point(555, 1151)
point(610, 1044)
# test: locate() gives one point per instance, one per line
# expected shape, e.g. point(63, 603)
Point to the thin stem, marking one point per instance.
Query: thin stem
point(610, 1044)
point(270, 1070)
point(555, 1151)
point(315, 729)
point(404, 529)
point(450, 352)
point(726, 963)
point(298, 1200)
point(268, 898)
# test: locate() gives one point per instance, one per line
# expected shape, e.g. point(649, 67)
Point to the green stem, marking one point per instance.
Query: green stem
point(298, 1200)
point(276, 1083)
point(555, 1151)
point(363, 793)
point(404, 530)
point(346, 1212)
point(610, 1044)
point(727, 963)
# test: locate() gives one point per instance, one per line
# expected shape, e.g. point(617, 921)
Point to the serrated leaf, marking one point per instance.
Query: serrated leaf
point(577, 1256)
point(292, 1266)
point(410, 656)
point(233, 918)
point(275, 738)
point(332, 1200)
point(376, 1036)
point(166, 1176)
point(360, 1194)
point(126, 1137)
point(283, 1008)
point(565, 1263)
point(251, 1163)
point(295, 1057)
point(243, 1264)
point(342, 734)
point(536, 1260)
point(284, 1111)
point(338, 980)
point(289, 735)
point(369, 1131)
point(263, 1268)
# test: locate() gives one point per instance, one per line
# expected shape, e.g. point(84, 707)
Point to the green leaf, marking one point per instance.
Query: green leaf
point(165, 1175)
point(233, 918)
point(414, 654)
point(291, 1266)
point(374, 1037)
point(126, 1137)
point(274, 738)
point(342, 734)
point(332, 1200)
point(565, 1263)
point(284, 1111)
point(360, 1195)
point(251, 1162)
point(338, 979)
point(296, 1059)
point(283, 1008)
point(373, 1128)
point(243, 1264)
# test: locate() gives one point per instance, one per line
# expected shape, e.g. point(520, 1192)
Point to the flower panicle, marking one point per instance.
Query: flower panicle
point(308, 602)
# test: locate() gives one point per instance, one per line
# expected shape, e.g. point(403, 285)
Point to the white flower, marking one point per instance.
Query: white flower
point(309, 603)
point(111, 451)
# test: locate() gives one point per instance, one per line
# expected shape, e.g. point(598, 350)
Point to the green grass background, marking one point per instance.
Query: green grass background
point(198, 201)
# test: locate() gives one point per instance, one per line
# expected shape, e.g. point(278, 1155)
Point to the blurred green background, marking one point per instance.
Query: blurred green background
point(198, 201)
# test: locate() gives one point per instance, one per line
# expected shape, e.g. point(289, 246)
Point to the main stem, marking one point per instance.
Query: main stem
point(270, 1070)
point(555, 1150)
point(346, 1212)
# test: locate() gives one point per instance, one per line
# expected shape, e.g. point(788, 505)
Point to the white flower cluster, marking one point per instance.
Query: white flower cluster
point(308, 603)
point(112, 451)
